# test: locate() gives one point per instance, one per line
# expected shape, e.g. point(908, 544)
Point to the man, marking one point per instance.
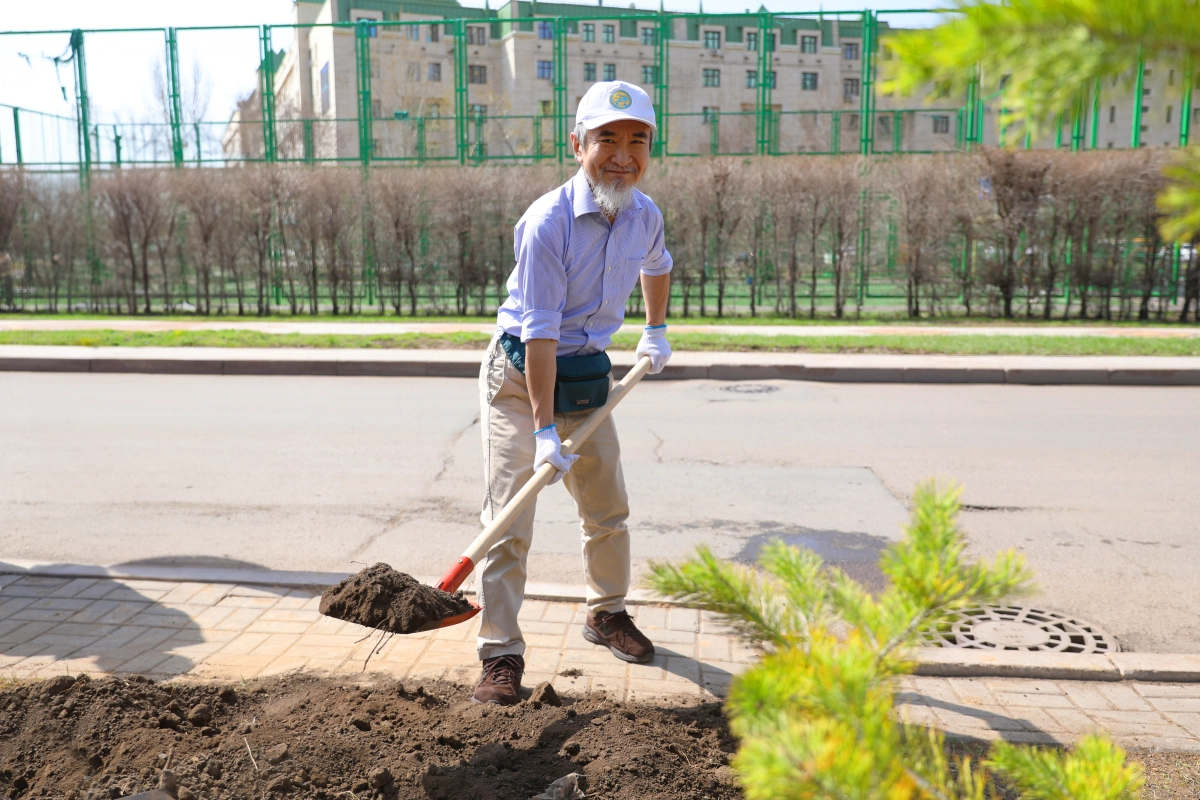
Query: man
point(579, 251)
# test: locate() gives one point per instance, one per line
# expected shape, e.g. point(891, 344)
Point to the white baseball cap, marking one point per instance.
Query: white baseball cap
point(609, 101)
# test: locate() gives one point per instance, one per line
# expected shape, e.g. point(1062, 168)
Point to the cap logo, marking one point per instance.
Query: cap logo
point(620, 100)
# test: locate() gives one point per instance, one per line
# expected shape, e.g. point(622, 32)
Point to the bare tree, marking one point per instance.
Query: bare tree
point(1017, 182)
point(135, 202)
point(843, 190)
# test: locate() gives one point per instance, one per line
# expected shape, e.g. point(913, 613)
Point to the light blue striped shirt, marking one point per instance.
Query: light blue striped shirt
point(575, 272)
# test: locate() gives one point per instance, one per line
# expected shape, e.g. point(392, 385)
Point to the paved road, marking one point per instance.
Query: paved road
point(388, 328)
point(1097, 485)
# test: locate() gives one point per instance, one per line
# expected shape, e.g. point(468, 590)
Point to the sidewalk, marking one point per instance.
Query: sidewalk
point(431, 327)
point(687, 365)
point(227, 631)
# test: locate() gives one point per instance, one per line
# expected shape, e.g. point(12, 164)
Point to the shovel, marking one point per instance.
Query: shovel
point(501, 522)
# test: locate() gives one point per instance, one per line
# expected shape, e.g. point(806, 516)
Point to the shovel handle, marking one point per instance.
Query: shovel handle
point(501, 522)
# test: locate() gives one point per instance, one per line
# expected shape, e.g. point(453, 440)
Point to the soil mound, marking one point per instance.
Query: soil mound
point(380, 597)
point(295, 737)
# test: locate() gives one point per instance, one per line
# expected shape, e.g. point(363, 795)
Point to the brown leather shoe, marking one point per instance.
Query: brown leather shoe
point(501, 681)
point(616, 631)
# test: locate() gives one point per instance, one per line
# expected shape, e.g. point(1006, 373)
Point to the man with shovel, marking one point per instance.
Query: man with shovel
point(579, 250)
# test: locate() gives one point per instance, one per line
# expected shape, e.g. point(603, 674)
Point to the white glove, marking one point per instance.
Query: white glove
point(549, 451)
point(654, 344)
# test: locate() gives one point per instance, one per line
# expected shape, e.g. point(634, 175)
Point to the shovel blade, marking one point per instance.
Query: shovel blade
point(446, 622)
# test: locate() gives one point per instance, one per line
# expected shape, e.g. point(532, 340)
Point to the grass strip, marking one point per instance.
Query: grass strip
point(741, 343)
point(868, 318)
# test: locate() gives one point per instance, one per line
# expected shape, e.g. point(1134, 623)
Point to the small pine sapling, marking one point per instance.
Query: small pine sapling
point(816, 716)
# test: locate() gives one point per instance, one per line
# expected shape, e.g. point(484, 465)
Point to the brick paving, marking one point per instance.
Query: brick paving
point(209, 631)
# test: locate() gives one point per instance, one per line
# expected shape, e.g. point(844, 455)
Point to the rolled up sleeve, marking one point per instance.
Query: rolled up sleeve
point(658, 260)
point(541, 277)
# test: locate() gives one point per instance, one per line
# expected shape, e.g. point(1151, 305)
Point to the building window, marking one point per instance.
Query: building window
point(808, 44)
point(610, 72)
point(751, 79)
point(476, 35)
point(941, 124)
point(435, 71)
point(610, 34)
point(434, 109)
point(648, 37)
point(751, 41)
point(769, 79)
point(711, 114)
point(884, 126)
point(476, 73)
point(769, 42)
point(650, 76)
point(375, 69)
point(1169, 110)
point(712, 40)
point(545, 30)
point(325, 88)
point(589, 70)
point(589, 31)
point(376, 109)
point(1112, 114)
point(545, 70)
point(547, 107)
point(808, 81)
point(852, 122)
point(414, 72)
point(434, 33)
point(712, 77)
point(414, 32)
point(849, 89)
point(850, 51)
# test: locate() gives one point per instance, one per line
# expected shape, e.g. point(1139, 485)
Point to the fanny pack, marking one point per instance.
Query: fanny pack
point(582, 382)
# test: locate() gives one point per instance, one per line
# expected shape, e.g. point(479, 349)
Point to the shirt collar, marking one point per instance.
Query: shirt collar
point(584, 201)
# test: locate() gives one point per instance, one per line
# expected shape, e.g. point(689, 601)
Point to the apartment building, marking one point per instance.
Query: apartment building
point(402, 85)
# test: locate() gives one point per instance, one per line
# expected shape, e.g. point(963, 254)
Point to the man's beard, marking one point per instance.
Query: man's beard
point(612, 197)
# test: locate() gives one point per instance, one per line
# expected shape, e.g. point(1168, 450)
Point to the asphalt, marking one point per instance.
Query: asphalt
point(1096, 485)
point(827, 367)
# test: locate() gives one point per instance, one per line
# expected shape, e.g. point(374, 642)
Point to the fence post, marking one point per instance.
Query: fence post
point(765, 29)
point(560, 89)
point(1135, 134)
point(83, 113)
point(1094, 123)
point(174, 103)
point(266, 92)
point(1077, 122)
point(362, 60)
point(461, 133)
point(17, 135)
point(661, 64)
point(1185, 107)
point(866, 126)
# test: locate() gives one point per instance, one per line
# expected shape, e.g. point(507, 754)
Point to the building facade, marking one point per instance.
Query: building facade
point(429, 80)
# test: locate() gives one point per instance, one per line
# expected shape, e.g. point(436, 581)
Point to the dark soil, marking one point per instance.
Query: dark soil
point(305, 737)
point(380, 597)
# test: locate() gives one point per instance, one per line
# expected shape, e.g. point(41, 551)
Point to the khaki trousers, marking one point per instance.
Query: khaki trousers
point(595, 482)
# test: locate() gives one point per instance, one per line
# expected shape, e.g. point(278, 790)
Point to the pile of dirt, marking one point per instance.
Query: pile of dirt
point(380, 597)
point(306, 737)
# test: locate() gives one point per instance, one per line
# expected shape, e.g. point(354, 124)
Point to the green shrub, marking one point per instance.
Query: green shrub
point(816, 716)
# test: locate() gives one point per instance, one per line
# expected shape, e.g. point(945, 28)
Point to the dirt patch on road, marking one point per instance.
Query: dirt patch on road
point(306, 737)
point(380, 597)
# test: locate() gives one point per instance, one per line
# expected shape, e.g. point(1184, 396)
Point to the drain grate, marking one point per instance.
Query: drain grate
point(749, 388)
point(1020, 628)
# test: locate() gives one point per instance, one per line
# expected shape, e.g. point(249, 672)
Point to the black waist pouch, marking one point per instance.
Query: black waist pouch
point(582, 382)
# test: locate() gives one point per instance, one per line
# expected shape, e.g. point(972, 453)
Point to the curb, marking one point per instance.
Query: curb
point(930, 662)
point(852, 370)
point(1150, 667)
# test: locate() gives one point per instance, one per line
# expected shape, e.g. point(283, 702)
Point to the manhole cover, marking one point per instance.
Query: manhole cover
point(1020, 628)
point(749, 388)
